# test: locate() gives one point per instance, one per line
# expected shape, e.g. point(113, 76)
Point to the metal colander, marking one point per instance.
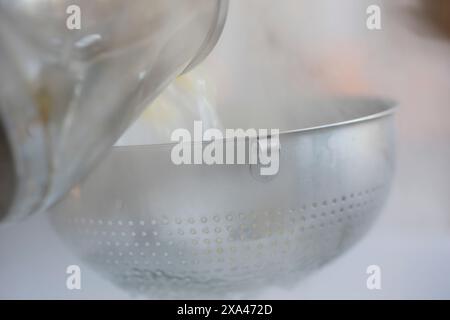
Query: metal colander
point(159, 229)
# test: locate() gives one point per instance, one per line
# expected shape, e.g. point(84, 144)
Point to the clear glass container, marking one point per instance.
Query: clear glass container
point(66, 95)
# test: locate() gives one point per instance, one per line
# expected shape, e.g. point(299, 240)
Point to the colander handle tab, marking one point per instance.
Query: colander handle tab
point(265, 157)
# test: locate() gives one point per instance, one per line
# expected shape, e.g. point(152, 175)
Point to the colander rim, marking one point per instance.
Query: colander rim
point(388, 107)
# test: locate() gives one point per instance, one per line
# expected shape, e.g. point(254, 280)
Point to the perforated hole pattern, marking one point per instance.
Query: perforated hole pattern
point(224, 250)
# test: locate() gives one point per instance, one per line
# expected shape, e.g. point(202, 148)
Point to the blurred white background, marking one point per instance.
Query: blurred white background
point(274, 49)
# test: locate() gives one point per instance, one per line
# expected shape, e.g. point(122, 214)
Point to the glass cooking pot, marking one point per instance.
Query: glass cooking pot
point(67, 94)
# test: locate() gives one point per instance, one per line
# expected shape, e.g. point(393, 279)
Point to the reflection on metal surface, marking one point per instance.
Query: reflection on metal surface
point(159, 229)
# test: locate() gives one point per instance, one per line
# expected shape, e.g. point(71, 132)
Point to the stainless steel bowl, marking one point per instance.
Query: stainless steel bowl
point(156, 228)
